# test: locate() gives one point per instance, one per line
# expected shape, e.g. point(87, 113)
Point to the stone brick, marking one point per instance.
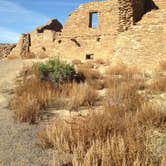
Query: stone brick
point(5, 49)
point(77, 38)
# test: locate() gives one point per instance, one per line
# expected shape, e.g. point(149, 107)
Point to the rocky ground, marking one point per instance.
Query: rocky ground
point(19, 145)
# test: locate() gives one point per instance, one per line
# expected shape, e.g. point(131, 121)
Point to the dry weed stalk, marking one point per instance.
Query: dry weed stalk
point(116, 136)
point(31, 98)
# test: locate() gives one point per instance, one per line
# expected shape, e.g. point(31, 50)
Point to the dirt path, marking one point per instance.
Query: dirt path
point(18, 142)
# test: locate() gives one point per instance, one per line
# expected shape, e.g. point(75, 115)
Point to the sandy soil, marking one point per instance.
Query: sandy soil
point(19, 145)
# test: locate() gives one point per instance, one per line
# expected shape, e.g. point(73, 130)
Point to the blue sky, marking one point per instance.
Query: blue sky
point(20, 16)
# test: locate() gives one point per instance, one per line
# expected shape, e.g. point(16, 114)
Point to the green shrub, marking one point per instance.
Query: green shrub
point(56, 71)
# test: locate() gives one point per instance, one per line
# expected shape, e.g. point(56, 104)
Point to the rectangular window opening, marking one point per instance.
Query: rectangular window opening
point(93, 20)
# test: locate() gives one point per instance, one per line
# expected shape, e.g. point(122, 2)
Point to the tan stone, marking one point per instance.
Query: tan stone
point(5, 49)
point(77, 38)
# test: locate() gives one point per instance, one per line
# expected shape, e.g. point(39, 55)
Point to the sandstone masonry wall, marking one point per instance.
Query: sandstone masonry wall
point(25, 45)
point(5, 49)
point(78, 38)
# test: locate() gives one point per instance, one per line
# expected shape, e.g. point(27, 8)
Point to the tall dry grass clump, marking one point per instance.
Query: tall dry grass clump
point(92, 77)
point(158, 85)
point(32, 97)
point(109, 138)
point(125, 97)
point(121, 73)
point(118, 135)
point(80, 95)
point(38, 86)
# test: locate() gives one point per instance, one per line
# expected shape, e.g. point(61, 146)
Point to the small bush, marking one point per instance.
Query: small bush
point(56, 71)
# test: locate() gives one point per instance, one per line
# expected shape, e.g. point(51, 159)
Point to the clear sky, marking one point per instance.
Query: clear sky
point(20, 16)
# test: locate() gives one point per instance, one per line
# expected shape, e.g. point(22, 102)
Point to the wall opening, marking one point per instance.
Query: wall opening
point(89, 56)
point(93, 20)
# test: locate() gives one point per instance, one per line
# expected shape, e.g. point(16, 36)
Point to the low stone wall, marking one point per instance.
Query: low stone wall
point(5, 49)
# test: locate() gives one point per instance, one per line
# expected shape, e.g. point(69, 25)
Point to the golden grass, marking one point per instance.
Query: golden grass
point(125, 96)
point(158, 85)
point(76, 62)
point(119, 135)
point(109, 138)
point(120, 74)
point(87, 65)
point(31, 98)
point(89, 73)
point(82, 95)
point(123, 70)
point(100, 61)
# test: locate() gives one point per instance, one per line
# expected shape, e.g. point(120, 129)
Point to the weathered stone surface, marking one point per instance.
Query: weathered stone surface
point(53, 25)
point(144, 45)
point(5, 49)
point(78, 38)
point(39, 41)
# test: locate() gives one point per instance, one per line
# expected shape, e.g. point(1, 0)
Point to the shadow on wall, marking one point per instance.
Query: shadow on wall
point(150, 5)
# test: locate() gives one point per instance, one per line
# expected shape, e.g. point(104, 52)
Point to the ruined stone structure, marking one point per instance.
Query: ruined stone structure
point(78, 39)
point(5, 49)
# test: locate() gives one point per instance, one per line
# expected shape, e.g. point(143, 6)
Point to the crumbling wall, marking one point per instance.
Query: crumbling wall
point(78, 38)
point(39, 42)
point(53, 25)
point(25, 45)
point(131, 11)
point(5, 49)
point(78, 21)
point(42, 43)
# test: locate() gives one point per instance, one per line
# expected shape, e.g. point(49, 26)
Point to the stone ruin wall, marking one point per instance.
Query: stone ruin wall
point(114, 16)
point(5, 49)
point(77, 38)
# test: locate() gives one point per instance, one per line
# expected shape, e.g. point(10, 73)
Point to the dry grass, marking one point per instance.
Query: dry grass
point(109, 138)
point(82, 95)
point(31, 98)
point(89, 73)
point(125, 97)
point(76, 62)
point(117, 136)
point(97, 84)
point(100, 61)
point(123, 70)
point(158, 85)
point(121, 74)
point(92, 77)
point(87, 65)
